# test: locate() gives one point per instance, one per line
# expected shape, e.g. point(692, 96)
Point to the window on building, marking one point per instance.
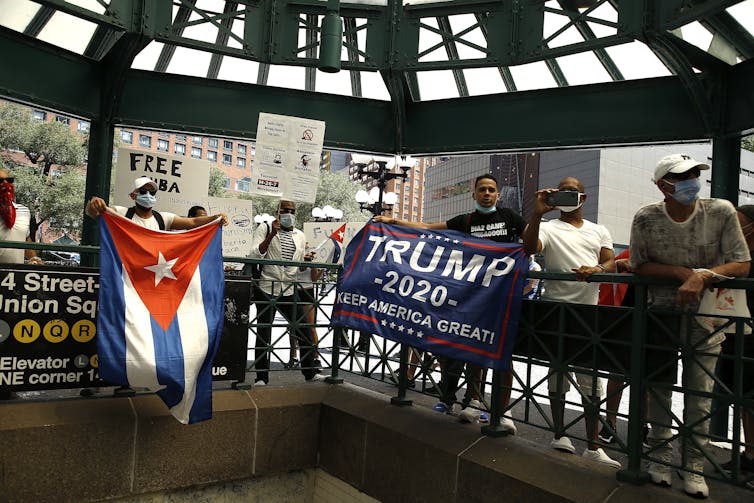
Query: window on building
point(180, 137)
point(180, 149)
point(40, 115)
point(241, 162)
point(162, 145)
point(126, 137)
point(63, 120)
point(212, 155)
point(83, 126)
point(227, 145)
point(227, 159)
point(253, 150)
point(196, 152)
point(241, 149)
point(196, 140)
point(226, 183)
point(243, 185)
point(146, 141)
point(251, 164)
point(212, 142)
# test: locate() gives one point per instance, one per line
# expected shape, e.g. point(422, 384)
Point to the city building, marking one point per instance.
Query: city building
point(235, 158)
point(617, 181)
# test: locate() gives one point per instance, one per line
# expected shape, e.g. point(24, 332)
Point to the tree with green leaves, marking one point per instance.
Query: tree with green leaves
point(747, 143)
point(216, 182)
point(56, 200)
point(44, 143)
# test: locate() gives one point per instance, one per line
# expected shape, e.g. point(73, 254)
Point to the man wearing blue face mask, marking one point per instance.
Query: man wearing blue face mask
point(281, 241)
point(696, 241)
point(144, 194)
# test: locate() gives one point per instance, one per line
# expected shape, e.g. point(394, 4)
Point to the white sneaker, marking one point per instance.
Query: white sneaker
point(472, 414)
point(600, 457)
point(563, 444)
point(507, 424)
point(660, 474)
point(694, 484)
point(315, 378)
point(259, 383)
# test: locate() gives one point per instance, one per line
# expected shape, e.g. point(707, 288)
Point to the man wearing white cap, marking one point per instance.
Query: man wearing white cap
point(695, 241)
point(144, 194)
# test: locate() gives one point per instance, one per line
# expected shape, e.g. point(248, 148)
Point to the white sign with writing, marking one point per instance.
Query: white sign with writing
point(181, 181)
point(324, 237)
point(237, 234)
point(288, 150)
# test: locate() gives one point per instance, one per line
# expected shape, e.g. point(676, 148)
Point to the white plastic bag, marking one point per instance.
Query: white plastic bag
point(722, 302)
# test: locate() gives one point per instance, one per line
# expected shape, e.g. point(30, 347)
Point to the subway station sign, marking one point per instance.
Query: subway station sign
point(48, 327)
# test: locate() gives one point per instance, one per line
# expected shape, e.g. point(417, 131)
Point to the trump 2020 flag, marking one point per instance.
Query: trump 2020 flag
point(161, 312)
point(440, 290)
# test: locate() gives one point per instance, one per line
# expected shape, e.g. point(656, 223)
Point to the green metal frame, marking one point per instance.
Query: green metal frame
point(705, 99)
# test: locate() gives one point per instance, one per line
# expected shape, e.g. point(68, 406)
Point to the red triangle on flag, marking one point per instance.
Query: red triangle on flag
point(339, 234)
point(175, 254)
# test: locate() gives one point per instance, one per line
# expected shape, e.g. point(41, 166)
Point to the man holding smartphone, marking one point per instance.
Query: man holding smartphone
point(502, 225)
point(571, 244)
point(277, 285)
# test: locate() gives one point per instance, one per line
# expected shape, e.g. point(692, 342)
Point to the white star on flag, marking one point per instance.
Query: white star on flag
point(162, 269)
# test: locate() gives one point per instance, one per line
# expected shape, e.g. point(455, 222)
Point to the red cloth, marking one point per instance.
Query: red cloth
point(611, 294)
point(7, 210)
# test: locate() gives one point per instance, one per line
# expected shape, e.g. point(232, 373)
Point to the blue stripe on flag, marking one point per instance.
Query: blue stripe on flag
point(110, 318)
point(210, 267)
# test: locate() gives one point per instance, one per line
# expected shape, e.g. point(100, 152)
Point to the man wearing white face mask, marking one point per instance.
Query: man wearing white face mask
point(572, 244)
point(144, 194)
point(277, 283)
point(696, 241)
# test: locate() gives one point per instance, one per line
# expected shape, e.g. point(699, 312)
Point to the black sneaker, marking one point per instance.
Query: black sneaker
point(747, 465)
point(607, 434)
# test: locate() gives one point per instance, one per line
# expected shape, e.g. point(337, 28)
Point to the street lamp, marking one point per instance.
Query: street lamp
point(326, 214)
point(377, 201)
point(264, 217)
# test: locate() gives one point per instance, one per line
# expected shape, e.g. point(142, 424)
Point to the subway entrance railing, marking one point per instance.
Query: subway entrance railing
point(639, 349)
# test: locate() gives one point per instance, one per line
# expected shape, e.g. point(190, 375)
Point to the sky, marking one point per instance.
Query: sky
point(634, 59)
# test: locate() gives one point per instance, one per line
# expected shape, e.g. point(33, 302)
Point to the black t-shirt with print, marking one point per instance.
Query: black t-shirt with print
point(503, 225)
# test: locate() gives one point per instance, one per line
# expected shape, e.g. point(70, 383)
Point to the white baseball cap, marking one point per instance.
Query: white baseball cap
point(676, 163)
point(142, 181)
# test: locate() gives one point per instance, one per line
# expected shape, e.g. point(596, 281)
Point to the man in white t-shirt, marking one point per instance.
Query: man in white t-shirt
point(572, 244)
point(144, 194)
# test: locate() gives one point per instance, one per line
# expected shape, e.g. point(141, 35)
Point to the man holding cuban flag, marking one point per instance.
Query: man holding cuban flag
point(161, 304)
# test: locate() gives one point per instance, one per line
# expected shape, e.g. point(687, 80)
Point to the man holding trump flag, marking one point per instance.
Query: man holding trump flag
point(435, 287)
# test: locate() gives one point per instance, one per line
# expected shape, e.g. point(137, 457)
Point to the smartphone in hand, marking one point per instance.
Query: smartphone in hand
point(563, 198)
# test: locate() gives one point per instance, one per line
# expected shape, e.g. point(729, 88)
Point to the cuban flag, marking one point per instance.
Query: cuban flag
point(161, 312)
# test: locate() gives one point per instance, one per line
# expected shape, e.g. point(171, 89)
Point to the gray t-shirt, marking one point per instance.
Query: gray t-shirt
point(710, 237)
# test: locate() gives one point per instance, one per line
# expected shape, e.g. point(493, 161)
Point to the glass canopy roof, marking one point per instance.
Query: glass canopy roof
point(445, 46)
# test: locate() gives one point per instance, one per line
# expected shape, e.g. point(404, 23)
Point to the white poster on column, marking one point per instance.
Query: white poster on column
point(181, 181)
point(288, 151)
point(330, 239)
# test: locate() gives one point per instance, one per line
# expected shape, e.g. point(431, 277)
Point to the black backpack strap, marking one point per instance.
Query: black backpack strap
point(160, 221)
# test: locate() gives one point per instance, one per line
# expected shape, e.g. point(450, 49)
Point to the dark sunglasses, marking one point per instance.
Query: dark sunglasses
point(677, 177)
point(144, 191)
point(9, 179)
point(287, 210)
